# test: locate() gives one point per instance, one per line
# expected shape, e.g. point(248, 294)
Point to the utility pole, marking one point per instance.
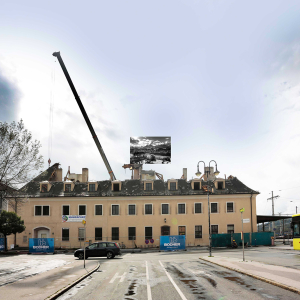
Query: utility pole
point(272, 198)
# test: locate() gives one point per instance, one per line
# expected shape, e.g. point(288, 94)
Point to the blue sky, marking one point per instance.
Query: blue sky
point(220, 77)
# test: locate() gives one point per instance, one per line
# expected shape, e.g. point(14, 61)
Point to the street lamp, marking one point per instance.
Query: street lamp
point(296, 207)
point(216, 173)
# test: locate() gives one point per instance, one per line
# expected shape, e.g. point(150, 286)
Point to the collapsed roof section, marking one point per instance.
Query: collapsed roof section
point(133, 187)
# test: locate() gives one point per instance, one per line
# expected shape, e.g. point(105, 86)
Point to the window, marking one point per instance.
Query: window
point(131, 209)
point(198, 208)
point(181, 230)
point(98, 234)
point(42, 210)
point(24, 238)
point(181, 208)
point(172, 186)
point(148, 209)
point(82, 210)
point(116, 187)
point(80, 234)
point(198, 232)
point(65, 234)
point(148, 186)
point(214, 229)
point(220, 185)
point(66, 210)
point(229, 206)
point(230, 228)
point(196, 185)
point(148, 233)
point(92, 187)
point(165, 209)
point(115, 209)
point(131, 233)
point(67, 187)
point(214, 207)
point(44, 188)
point(98, 209)
point(115, 233)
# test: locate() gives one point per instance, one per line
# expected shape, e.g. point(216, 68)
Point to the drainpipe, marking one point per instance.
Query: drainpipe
point(251, 231)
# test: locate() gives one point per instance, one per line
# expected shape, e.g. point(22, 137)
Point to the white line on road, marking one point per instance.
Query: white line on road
point(174, 284)
point(122, 277)
point(148, 283)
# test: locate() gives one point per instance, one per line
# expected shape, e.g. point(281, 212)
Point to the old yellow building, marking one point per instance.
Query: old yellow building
point(133, 211)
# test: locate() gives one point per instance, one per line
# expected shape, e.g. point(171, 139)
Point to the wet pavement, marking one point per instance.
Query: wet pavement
point(156, 275)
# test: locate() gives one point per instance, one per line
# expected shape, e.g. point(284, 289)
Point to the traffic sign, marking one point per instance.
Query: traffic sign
point(83, 222)
point(242, 209)
point(246, 220)
point(152, 241)
point(147, 242)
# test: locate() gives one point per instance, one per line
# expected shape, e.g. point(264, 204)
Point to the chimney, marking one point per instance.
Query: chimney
point(184, 173)
point(85, 174)
point(58, 174)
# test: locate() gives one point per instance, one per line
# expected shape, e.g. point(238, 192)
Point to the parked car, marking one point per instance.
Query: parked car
point(100, 249)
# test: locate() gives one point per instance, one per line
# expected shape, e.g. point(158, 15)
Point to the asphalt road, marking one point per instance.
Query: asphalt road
point(177, 275)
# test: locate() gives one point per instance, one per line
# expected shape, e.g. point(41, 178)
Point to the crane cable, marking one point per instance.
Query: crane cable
point(51, 108)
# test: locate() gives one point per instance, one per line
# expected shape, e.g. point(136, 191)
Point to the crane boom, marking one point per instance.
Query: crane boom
point(86, 118)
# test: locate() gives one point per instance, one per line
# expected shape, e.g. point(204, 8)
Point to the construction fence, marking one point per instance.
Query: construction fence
point(131, 242)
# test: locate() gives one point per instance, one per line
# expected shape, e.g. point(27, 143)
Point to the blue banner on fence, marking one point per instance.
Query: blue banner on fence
point(1, 244)
point(41, 245)
point(172, 242)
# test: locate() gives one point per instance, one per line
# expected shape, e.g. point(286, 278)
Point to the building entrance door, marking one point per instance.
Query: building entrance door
point(165, 230)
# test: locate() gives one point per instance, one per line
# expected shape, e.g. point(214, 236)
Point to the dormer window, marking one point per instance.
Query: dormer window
point(196, 184)
point(91, 187)
point(116, 187)
point(172, 185)
point(44, 188)
point(220, 184)
point(67, 187)
point(148, 186)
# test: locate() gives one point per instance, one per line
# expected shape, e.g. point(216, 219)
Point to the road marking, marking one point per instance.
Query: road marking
point(122, 277)
point(174, 284)
point(148, 283)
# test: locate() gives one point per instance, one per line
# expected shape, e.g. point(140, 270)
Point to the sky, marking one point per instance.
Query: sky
point(141, 141)
point(220, 77)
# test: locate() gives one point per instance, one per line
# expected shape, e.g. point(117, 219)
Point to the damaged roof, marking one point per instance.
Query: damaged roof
point(128, 188)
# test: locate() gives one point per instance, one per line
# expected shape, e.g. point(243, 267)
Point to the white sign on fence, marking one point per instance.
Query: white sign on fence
point(246, 220)
point(73, 218)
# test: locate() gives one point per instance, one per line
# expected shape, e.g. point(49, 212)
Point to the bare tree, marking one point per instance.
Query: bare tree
point(19, 155)
point(19, 158)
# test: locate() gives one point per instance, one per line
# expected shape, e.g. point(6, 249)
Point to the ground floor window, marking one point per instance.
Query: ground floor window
point(230, 228)
point(148, 233)
point(80, 234)
point(65, 234)
point(198, 232)
point(115, 233)
point(131, 233)
point(181, 230)
point(214, 229)
point(98, 234)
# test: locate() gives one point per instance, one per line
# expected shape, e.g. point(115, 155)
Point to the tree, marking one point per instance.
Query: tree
point(10, 223)
point(19, 155)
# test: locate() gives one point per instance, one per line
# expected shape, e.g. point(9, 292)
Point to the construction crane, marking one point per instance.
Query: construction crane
point(86, 118)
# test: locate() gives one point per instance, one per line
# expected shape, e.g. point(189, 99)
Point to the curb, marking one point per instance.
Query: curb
point(70, 285)
point(281, 285)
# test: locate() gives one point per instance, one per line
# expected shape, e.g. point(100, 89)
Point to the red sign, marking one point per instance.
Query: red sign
point(152, 241)
point(147, 242)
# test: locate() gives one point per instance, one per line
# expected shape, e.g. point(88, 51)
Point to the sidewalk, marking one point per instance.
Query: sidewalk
point(43, 285)
point(283, 277)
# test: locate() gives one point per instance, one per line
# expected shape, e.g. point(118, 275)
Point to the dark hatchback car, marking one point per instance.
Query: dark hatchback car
point(101, 249)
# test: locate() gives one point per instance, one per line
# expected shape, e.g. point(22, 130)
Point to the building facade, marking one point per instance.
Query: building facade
point(134, 213)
